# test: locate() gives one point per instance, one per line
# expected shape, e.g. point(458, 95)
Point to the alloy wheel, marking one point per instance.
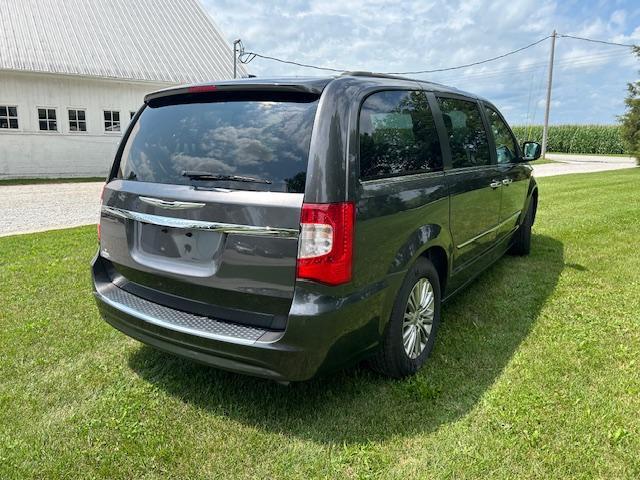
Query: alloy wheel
point(418, 318)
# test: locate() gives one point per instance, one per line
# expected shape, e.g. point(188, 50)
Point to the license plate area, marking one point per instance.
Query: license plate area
point(182, 251)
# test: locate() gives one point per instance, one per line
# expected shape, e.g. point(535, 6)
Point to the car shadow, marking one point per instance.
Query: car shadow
point(482, 328)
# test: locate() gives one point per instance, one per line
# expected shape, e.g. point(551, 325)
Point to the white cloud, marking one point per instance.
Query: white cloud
point(387, 35)
point(618, 18)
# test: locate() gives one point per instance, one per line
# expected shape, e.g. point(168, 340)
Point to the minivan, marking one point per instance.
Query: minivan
point(285, 228)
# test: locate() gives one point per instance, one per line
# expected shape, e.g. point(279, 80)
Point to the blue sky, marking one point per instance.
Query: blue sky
point(589, 79)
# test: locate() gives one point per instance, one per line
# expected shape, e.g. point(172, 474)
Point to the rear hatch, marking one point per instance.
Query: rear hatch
point(203, 210)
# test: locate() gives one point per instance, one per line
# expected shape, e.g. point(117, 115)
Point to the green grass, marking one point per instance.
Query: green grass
point(33, 181)
point(535, 374)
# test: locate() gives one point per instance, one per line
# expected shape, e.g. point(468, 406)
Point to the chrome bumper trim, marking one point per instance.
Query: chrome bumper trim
point(199, 224)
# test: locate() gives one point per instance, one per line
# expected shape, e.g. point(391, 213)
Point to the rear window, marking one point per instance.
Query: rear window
point(255, 136)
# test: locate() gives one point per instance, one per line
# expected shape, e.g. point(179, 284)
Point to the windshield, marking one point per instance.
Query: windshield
point(222, 143)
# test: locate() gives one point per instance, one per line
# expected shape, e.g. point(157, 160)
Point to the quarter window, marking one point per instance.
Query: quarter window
point(132, 114)
point(467, 136)
point(47, 120)
point(8, 117)
point(397, 135)
point(111, 121)
point(506, 149)
point(77, 120)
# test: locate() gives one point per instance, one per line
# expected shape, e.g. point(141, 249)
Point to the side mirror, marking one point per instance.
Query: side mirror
point(531, 150)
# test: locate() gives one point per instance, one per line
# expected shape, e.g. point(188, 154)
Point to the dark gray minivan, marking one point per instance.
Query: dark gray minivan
point(287, 227)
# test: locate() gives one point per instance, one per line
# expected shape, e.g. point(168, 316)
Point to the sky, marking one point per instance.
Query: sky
point(589, 82)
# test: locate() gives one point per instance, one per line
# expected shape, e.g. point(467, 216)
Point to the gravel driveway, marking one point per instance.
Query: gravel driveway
point(569, 163)
point(34, 208)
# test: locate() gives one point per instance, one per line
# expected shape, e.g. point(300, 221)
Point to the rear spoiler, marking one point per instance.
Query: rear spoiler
point(235, 87)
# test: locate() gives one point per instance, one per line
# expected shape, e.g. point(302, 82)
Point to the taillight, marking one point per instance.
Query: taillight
point(325, 247)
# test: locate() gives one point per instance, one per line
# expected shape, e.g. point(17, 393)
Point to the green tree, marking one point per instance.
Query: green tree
point(631, 118)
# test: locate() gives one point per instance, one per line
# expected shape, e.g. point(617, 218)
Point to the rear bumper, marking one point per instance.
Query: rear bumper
point(323, 332)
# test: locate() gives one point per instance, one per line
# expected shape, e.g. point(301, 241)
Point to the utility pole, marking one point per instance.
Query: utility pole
point(235, 57)
point(545, 130)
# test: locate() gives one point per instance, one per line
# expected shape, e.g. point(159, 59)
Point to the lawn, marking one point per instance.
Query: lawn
point(542, 161)
point(35, 181)
point(535, 374)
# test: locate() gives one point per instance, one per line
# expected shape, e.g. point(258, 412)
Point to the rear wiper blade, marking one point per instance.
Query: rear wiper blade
point(197, 175)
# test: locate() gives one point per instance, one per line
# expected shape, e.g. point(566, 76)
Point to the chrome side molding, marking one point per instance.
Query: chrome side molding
point(491, 230)
point(173, 222)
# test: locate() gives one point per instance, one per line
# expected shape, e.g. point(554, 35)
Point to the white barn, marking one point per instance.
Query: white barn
point(73, 72)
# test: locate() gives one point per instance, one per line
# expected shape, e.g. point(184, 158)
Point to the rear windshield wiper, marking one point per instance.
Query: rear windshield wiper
point(196, 175)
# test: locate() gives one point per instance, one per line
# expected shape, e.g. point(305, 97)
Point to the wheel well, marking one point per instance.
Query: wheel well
point(534, 199)
point(438, 257)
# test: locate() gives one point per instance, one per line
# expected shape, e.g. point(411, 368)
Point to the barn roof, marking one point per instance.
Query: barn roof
point(149, 40)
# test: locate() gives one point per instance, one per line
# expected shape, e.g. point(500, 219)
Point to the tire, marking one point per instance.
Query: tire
point(392, 359)
point(521, 241)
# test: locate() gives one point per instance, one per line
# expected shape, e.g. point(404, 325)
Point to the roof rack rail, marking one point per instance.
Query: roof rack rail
point(387, 75)
point(358, 73)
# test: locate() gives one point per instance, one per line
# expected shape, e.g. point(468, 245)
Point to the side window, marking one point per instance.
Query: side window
point(111, 121)
point(467, 136)
point(506, 150)
point(397, 135)
point(8, 116)
point(77, 120)
point(47, 120)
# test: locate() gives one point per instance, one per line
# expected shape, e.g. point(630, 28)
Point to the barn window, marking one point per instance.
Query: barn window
point(47, 119)
point(8, 116)
point(77, 120)
point(111, 121)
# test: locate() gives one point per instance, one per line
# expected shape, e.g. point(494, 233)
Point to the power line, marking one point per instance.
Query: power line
point(247, 57)
point(416, 72)
point(598, 41)
point(581, 60)
point(251, 55)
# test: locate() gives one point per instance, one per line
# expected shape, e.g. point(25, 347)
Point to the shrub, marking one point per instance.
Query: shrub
point(602, 139)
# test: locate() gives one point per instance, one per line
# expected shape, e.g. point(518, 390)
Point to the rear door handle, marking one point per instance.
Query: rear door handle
point(507, 181)
point(495, 184)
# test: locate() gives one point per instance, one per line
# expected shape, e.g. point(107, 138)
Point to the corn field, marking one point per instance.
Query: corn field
point(604, 139)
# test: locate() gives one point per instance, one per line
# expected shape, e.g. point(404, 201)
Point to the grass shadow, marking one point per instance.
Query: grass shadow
point(482, 328)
